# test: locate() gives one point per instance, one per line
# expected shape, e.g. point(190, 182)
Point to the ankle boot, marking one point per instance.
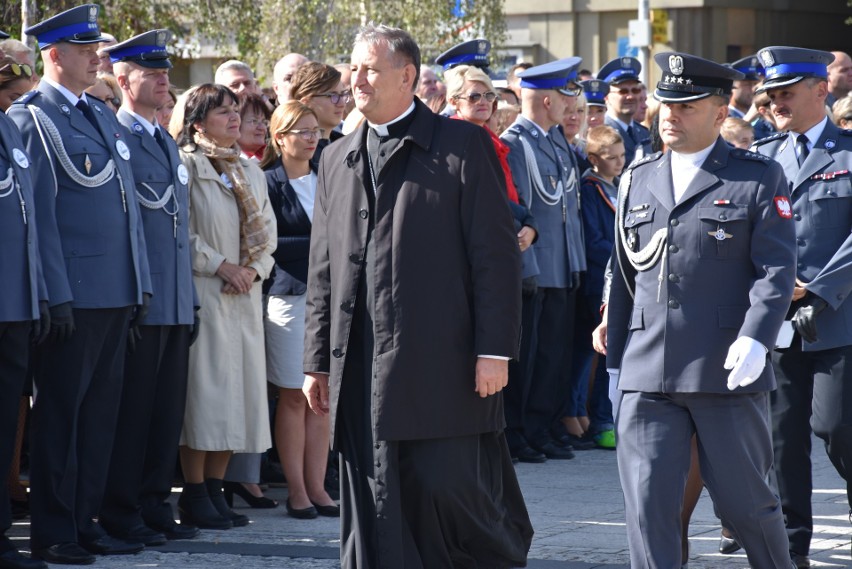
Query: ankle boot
point(214, 490)
point(195, 508)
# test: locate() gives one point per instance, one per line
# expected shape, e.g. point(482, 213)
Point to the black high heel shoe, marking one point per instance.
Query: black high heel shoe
point(258, 502)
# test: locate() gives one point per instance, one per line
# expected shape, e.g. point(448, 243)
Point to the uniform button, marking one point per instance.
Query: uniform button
point(180, 246)
point(839, 297)
point(674, 278)
point(723, 217)
point(673, 249)
point(800, 242)
point(337, 353)
point(674, 223)
point(382, 153)
point(362, 213)
point(797, 217)
point(355, 258)
point(829, 193)
point(346, 306)
point(674, 304)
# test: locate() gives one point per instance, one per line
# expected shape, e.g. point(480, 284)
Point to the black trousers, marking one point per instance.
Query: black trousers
point(550, 382)
point(516, 393)
point(814, 392)
point(14, 359)
point(147, 434)
point(78, 385)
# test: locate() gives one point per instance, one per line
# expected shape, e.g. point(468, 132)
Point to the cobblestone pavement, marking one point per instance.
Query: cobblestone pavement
point(576, 510)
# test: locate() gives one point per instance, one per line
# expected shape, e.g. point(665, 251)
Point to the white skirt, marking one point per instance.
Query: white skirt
point(285, 340)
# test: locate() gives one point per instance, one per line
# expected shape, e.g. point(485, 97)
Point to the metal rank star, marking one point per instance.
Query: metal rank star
point(719, 234)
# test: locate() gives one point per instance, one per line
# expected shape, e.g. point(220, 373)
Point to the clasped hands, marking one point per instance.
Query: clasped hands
point(238, 279)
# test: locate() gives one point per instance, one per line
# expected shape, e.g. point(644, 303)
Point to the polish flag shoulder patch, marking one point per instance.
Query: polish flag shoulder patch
point(782, 205)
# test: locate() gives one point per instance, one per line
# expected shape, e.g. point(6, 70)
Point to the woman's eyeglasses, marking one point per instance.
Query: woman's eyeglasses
point(257, 122)
point(336, 98)
point(18, 69)
point(476, 97)
point(307, 133)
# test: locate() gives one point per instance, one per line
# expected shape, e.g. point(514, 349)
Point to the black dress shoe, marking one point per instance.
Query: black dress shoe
point(174, 530)
point(800, 561)
point(586, 442)
point(141, 534)
point(108, 545)
point(332, 511)
point(551, 450)
point(12, 559)
point(728, 545)
point(527, 454)
point(64, 554)
point(308, 513)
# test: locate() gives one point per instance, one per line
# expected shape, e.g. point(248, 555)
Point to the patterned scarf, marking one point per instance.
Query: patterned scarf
point(253, 237)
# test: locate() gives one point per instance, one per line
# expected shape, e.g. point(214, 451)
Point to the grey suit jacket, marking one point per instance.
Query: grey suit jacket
point(727, 270)
point(821, 191)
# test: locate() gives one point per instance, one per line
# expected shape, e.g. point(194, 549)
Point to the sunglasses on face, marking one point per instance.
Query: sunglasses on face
point(18, 69)
point(476, 97)
point(336, 98)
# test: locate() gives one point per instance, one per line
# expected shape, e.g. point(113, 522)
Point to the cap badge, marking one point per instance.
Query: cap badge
point(481, 47)
point(767, 59)
point(754, 63)
point(676, 64)
point(93, 13)
point(626, 63)
point(161, 39)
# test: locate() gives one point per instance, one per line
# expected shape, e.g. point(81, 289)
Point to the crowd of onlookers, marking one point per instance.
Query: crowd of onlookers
point(249, 348)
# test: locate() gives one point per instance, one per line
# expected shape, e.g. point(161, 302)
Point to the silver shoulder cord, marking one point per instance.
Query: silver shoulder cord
point(648, 256)
point(6, 189)
point(535, 177)
point(160, 202)
point(99, 179)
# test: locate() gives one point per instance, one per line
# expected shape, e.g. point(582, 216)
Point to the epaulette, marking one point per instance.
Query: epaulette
point(846, 131)
point(645, 160)
point(26, 98)
point(749, 155)
point(769, 138)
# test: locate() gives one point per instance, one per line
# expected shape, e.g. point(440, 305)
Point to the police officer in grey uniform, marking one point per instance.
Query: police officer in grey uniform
point(135, 506)
point(547, 179)
point(24, 315)
point(743, 93)
point(622, 74)
point(814, 382)
point(99, 281)
point(705, 251)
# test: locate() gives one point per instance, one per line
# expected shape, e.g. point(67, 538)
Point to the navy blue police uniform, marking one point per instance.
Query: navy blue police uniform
point(814, 384)
point(135, 506)
point(692, 277)
point(95, 262)
point(546, 175)
point(637, 138)
point(23, 306)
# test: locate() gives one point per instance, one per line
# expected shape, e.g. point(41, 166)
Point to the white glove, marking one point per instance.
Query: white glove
point(746, 360)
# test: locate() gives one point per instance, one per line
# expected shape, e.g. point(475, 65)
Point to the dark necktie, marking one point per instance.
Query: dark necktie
point(161, 140)
point(87, 112)
point(801, 148)
point(630, 134)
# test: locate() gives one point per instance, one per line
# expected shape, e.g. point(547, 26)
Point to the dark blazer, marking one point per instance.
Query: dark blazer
point(675, 334)
point(91, 239)
point(447, 276)
point(598, 229)
point(821, 190)
point(21, 278)
point(290, 274)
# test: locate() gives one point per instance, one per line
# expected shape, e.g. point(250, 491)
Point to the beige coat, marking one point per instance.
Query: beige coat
point(226, 405)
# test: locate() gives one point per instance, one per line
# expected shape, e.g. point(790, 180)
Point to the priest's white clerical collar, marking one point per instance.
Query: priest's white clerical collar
point(382, 129)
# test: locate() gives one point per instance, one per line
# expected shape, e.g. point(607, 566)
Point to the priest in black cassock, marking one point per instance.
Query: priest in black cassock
point(413, 311)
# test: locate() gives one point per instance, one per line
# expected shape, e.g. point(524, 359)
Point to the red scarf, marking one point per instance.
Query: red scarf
point(502, 155)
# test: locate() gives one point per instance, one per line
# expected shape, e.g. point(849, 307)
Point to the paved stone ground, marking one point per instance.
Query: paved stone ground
point(576, 510)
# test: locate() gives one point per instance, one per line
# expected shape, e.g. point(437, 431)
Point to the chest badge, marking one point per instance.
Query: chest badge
point(719, 234)
point(20, 158)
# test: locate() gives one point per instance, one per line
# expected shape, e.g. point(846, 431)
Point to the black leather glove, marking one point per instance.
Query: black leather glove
point(575, 281)
point(196, 328)
point(134, 334)
point(805, 318)
point(41, 327)
point(62, 321)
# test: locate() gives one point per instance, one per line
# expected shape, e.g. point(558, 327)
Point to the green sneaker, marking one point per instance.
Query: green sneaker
point(606, 439)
